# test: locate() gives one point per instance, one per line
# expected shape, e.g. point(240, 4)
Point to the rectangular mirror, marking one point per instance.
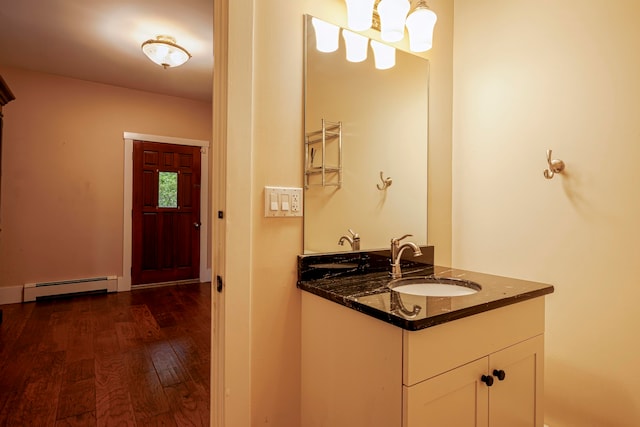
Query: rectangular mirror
point(384, 127)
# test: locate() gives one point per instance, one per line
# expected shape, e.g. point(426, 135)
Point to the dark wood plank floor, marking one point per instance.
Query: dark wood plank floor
point(139, 358)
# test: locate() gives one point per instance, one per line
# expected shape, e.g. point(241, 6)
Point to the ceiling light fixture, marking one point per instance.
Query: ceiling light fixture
point(165, 52)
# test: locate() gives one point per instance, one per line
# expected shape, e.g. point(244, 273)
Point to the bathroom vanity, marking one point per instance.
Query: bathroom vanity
point(374, 355)
point(474, 360)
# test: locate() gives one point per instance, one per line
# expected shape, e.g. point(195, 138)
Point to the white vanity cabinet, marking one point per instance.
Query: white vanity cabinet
point(361, 371)
point(460, 398)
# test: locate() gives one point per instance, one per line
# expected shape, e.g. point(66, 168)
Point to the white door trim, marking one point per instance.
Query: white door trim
point(124, 282)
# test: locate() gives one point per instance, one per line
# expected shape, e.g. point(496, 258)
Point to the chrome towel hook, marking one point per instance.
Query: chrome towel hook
point(555, 166)
point(385, 182)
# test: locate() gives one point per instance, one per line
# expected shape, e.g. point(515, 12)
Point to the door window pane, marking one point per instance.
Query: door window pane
point(168, 190)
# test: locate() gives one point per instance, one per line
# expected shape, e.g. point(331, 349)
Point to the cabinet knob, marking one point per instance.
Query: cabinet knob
point(500, 374)
point(487, 379)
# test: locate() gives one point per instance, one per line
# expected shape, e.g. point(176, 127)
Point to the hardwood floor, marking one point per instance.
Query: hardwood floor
point(139, 358)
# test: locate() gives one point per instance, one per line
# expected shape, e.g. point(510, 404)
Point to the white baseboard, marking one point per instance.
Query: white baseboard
point(206, 277)
point(124, 283)
point(10, 295)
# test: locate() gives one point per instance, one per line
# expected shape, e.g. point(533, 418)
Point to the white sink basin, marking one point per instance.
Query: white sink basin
point(434, 286)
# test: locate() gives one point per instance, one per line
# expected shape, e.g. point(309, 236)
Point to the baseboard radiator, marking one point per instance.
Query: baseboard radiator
point(35, 291)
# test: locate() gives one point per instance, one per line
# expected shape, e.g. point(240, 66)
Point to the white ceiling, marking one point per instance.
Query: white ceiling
point(99, 40)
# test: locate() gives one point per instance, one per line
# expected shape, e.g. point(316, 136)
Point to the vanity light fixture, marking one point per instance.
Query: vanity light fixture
point(165, 52)
point(326, 35)
point(384, 55)
point(356, 46)
point(392, 20)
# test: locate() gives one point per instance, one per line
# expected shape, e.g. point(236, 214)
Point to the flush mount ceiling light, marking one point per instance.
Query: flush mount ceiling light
point(164, 51)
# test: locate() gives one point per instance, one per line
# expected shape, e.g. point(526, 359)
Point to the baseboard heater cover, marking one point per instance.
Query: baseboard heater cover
point(33, 291)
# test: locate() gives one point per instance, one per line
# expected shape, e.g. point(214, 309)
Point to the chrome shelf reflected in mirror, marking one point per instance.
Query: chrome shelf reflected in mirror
point(328, 142)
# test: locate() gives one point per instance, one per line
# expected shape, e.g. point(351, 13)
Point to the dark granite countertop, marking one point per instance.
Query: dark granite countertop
point(358, 280)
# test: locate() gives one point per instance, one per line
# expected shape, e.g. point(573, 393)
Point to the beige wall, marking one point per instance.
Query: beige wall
point(62, 171)
point(533, 76)
point(277, 154)
point(264, 147)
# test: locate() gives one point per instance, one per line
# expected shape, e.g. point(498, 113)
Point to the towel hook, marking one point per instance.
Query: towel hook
point(555, 166)
point(385, 182)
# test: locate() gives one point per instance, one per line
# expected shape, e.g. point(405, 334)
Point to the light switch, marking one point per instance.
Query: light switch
point(282, 201)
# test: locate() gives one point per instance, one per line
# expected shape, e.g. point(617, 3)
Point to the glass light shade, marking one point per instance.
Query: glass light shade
point(384, 55)
point(359, 14)
point(420, 25)
point(356, 46)
point(164, 51)
point(326, 35)
point(393, 14)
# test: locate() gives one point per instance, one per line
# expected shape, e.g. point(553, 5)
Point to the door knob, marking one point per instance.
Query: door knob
point(500, 374)
point(487, 379)
point(196, 224)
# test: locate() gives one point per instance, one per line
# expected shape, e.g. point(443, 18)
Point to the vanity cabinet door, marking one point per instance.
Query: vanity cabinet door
point(460, 398)
point(516, 401)
point(454, 398)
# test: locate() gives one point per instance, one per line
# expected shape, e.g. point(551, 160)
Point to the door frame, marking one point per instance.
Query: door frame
point(124, 282)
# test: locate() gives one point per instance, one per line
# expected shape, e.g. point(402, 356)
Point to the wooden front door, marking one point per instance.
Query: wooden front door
point(166, 213)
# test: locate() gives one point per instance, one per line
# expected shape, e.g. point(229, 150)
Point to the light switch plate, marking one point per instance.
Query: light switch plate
point(288, 201)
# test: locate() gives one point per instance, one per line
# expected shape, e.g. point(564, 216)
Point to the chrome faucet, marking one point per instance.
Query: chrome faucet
point(354, 240)
point(396, 254)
